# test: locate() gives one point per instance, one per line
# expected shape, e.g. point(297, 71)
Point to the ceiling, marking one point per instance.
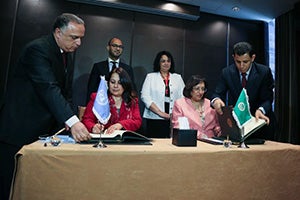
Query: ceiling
point(264, 10)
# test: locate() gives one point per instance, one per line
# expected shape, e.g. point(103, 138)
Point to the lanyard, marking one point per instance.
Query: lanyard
point(166, 81)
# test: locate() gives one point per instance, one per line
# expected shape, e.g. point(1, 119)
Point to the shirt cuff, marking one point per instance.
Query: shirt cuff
point(262, 110)
point(70, 122)
point(213, 101)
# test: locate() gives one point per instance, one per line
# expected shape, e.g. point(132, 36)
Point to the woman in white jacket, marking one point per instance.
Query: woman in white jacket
point(160, 90)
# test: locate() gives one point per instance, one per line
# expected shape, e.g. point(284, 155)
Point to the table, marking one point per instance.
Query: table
point(158, 171)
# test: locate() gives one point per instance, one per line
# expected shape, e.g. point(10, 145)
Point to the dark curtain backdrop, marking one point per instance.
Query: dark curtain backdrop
point(7, 19)
point(287, 76)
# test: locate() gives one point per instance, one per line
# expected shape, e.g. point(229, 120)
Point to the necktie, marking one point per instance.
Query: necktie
point(64, 58)
point(114, 65)
point(244, 80)
point(64, 55)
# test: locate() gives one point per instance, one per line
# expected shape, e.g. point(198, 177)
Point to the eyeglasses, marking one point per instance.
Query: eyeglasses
point(117, 46)
point(197, 89)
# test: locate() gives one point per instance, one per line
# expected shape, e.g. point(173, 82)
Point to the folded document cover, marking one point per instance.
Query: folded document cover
point(121, 136)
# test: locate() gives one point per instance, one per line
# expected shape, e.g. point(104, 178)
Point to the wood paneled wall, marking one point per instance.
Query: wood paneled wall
point(202, 47)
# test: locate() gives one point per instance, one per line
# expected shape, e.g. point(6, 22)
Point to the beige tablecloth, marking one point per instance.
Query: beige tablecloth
point(158, 171)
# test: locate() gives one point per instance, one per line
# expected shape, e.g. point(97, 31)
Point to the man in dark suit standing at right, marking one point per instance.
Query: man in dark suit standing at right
point(258, 81)
point(115, 49)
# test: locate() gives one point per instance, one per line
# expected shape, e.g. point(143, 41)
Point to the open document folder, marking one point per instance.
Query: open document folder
point(121, 136)
point(230, 128)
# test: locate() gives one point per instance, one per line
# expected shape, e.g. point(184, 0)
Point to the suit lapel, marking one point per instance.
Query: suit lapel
point(106, 70)
point(236, 81)
point(251, 82)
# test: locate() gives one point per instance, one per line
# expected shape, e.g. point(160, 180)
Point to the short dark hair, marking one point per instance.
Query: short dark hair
point(129, 94)
point(63, 20)
point(156, 63)
point(111, 39)
point(193, 80)
point(242, 48)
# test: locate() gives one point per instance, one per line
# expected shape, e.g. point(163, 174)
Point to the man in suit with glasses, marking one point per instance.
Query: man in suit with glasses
point(115, 49)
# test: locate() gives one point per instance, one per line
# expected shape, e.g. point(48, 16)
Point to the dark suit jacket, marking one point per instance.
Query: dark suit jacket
point(260, 85)
point(102, 69)
point(38, 95)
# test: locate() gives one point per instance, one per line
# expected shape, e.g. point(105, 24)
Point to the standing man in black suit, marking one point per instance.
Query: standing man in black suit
point(38, 98)
point(259, 86)
point(115, 49)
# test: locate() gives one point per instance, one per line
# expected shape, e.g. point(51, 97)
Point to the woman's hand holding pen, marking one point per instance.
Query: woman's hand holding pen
point(97, 128)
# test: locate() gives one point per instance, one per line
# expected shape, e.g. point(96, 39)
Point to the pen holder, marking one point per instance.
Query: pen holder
point(55, 141)
point(184, 137)
point(227, 143)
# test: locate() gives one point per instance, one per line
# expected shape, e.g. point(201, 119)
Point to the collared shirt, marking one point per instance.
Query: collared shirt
point(110, 63)
point(73, 120)
point(247, 73)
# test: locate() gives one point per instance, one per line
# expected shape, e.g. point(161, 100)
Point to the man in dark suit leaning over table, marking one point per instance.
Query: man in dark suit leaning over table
point(115, 49)
point(259, 85)
point(38, 98)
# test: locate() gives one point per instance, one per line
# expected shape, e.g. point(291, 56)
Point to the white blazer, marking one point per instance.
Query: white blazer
point(153, 90)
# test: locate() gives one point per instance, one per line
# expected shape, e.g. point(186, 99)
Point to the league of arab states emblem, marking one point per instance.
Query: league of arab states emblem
point(241, 106)
point(101, 97)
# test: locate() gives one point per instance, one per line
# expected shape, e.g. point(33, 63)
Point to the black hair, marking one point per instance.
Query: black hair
point(129, 94)
point(193, 80)
point(242, 48)
point(156, 63)
point(111, 39)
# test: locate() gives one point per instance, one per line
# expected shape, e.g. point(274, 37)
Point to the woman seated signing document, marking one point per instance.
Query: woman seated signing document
point(196, 108)
point(124, 106)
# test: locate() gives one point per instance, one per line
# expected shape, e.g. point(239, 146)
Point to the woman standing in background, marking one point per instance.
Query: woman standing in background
point(159, 91)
